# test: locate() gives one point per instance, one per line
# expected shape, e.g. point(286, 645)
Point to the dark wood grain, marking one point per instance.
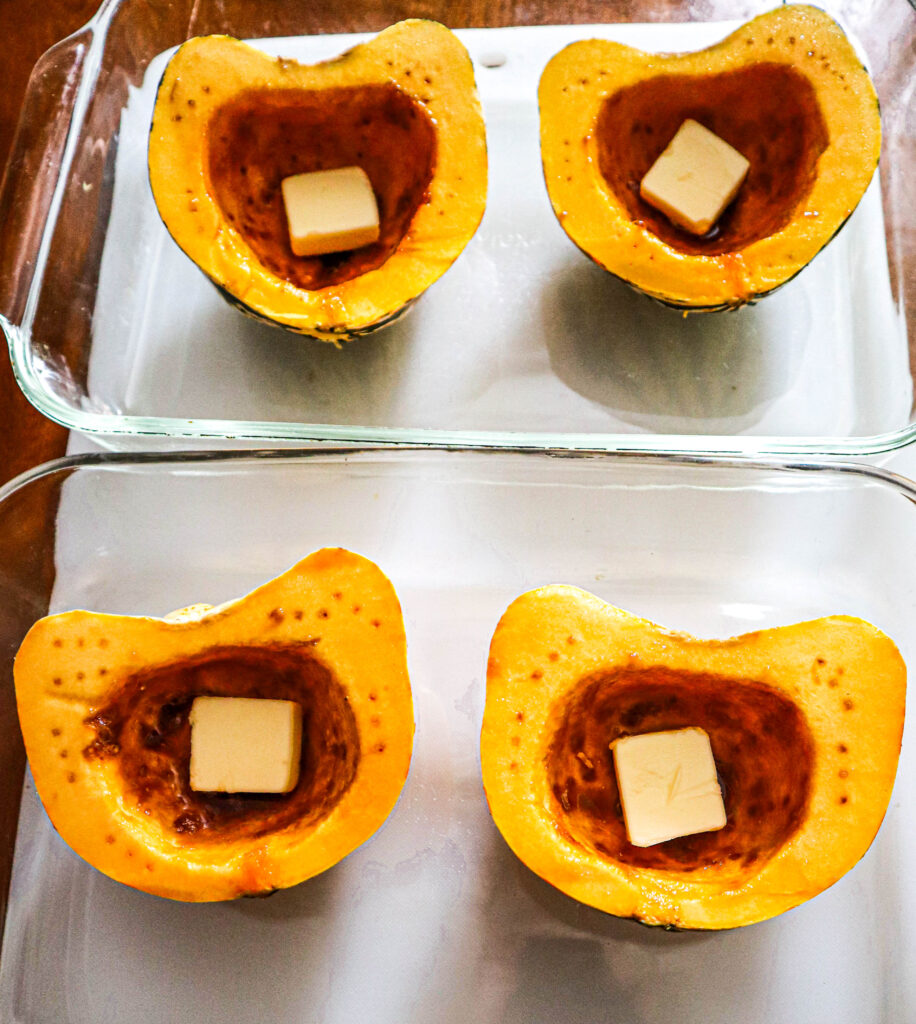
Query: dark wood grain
point(26, 437)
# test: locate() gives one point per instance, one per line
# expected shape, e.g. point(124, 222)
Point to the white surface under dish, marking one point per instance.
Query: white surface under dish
point(434, 919)
point(523, 341)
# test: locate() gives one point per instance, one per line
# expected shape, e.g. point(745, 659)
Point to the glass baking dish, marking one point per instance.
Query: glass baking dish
point(434, 918)
point(524, 342)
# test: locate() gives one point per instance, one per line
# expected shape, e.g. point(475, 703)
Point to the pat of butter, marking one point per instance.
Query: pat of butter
point(330, 211)
point(695, 178)
point(668, 785)
point(245, 745)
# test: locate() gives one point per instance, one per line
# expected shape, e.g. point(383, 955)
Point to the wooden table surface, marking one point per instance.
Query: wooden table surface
point(26, 437)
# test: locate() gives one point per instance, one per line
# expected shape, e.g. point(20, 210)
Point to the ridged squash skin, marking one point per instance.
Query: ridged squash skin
point(805, 723)
point(230, 123)
point(103, 703)
point(787, 90)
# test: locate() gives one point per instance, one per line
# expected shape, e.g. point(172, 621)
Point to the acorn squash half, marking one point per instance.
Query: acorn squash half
point(230, 123)
point(104, 701)
point(787, 90)
point(805, 723)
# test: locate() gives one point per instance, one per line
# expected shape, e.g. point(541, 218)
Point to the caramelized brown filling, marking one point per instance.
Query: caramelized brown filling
point(760, 740)
point(264, 136)
point(145, 727)
point(768, 112)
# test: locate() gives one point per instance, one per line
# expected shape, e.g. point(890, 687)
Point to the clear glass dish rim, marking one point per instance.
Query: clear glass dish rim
point(863, 472)
point(108, 428)
point(116, 426)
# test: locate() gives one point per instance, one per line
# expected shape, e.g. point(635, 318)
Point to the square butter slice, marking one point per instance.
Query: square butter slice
point(245, 745)
point(668, 785)
point(330, 211)
point(695, 178)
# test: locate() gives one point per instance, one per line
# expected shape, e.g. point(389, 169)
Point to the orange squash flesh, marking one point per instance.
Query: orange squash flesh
point(787, 90)
point(231, 122)
point(103, 705)
point(805, 723)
